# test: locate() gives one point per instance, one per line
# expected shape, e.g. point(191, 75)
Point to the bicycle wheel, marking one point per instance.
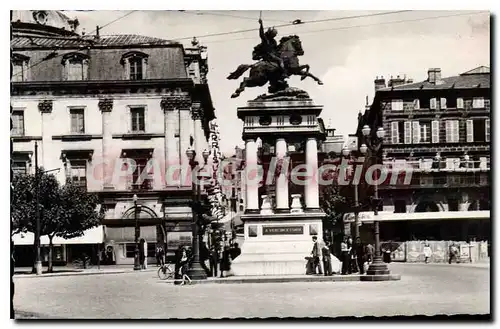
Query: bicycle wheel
point(165, 272)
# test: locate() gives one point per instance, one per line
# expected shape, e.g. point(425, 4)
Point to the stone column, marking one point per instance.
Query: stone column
point(106, 106)
point(251, 177)
point(171, 165)
point(45, 108)
point(282, 203)
point(311, 189)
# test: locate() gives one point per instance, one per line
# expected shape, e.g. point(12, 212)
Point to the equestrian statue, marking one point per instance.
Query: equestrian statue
point(276, 63)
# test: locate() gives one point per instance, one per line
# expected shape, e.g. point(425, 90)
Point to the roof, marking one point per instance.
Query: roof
point(475, 78)
point(104, 40)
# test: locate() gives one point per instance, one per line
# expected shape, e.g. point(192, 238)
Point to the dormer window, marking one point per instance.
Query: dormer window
point(135, 64)
point(20, 66)
point(75, 66)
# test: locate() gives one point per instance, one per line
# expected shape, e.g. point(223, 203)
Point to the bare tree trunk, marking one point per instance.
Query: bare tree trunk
point(51, 249)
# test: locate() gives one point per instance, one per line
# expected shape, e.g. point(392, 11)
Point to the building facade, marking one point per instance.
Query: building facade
point(104, 109)
point(439, 129)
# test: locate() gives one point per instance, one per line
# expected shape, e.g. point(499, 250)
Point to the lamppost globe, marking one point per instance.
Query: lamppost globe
point(466, 157)
point(345, 152)
point(190, 153)
point(366, 130)
point(134, 198)
point(206, 154)
point(380, 132)
point(363, 148)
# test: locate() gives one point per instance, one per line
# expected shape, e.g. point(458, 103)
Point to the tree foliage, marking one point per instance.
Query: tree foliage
point(334, 204)
point(65, 211)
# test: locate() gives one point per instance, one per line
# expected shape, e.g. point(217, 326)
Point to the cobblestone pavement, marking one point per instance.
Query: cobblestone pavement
point(424, 289)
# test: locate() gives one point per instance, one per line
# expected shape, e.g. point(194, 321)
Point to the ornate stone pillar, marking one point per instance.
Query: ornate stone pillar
point(106, 106)
point(172, 161)
point(311, 190)
point(282, 203)
point(45, 108)
point(251, 177)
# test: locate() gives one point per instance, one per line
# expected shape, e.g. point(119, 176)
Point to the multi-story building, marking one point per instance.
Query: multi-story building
point(92, 102)
point(439, 129)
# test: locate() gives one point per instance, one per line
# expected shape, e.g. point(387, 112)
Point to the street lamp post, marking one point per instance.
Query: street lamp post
point(38, 258)
point(137, 264)
point(196, 271)
point(377, 267)
point(346, 153)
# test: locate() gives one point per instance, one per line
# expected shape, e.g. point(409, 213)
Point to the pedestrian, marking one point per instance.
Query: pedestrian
point(344, 249)
point(370, 251)
point(142, 253)
point(235, 251)
point(353, 264)
point(427, 252)
point(360, 255)
point(214, 260)
point(184, 267)
point(160, 255)
point(225, 264)
point(145, 259)
point(453, 253)
point(316, 253)
point(327, 264)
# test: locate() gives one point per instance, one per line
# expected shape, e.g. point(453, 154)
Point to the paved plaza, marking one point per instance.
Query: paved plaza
point(424, 289)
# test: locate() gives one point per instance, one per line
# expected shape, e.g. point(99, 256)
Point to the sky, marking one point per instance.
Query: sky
point(346, 54)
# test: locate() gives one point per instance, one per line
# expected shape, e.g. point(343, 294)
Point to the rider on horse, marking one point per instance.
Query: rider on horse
point(268, 48)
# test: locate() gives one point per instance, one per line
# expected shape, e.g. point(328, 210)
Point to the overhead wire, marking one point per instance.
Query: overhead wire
point(228, 15)
point(358, 26)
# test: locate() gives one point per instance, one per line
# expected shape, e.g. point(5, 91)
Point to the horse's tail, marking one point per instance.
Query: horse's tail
point(239, 71)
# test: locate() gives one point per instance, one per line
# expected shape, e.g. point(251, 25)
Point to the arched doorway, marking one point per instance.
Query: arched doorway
point(426, 229)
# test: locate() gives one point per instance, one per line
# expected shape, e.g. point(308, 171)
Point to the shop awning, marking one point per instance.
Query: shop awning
point(384, 216)
point(92, 236)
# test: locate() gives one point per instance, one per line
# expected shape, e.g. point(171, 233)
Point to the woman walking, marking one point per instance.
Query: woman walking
point(184, 267)
point(344, 249)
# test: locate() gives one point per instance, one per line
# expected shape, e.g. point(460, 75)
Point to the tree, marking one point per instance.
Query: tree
point(334, 204)
point(65, 211)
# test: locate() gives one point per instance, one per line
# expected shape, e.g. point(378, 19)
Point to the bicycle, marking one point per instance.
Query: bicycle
point(82, 263)
point(166, 272)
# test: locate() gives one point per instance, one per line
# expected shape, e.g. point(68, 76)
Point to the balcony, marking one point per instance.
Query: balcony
point(437, 166)
point(146, 185)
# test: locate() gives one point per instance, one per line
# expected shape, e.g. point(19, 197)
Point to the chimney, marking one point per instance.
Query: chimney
point(434, 75)
point(379, 83)
point(394, 82)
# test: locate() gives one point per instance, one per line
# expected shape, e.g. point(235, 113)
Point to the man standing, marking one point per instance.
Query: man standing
point(316, 253)
point(327, 264)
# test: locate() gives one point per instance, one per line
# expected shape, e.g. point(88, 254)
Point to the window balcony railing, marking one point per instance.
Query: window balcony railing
point(144, 186)
point(438, 166)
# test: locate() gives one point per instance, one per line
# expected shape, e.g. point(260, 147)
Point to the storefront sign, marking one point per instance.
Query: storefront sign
point(282, 230)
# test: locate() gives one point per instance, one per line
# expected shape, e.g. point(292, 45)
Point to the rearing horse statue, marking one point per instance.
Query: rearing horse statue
point(262, 72)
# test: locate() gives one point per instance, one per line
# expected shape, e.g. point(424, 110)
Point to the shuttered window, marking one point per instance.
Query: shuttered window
point(433, 104)
point(443, 103)
point(435, 131)
point(452, 131)
point(415, 132)
point(487, 129)
point(470, 131)
point(394, 132)
point(460, 103)
point(408, 132)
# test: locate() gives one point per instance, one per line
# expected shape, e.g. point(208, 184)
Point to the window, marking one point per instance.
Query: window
point(17, 123)
point(397, 105)
point(443, 103)
point(280, 120)
point(469, 127)
point(487, 128)
point(77, 121)
point(135, 64)
point(311, 120)
point(394, 132)
point(76, 66)
point(452, 131)
point(433, 104)
point(460, 103)
point(478, 130)
point(137, 119)
point(416, 104)
point(425, 132)
point(20, 67)
point(435, 131)
point(140, 166)
point(78, 173)
point(478, 103)
point(19, 167)
point(408, 139)
point(416, 135)
point(129, 250)
point(135, 68)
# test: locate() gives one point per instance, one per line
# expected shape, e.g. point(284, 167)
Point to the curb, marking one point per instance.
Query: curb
point(334, 278)
point(51, 275)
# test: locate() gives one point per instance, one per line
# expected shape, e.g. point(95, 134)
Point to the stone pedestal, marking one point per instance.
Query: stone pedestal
point(277, 241)
point(277, 244)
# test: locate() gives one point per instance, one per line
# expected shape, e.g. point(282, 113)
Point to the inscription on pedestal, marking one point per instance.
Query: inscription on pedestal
point(282, 230)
